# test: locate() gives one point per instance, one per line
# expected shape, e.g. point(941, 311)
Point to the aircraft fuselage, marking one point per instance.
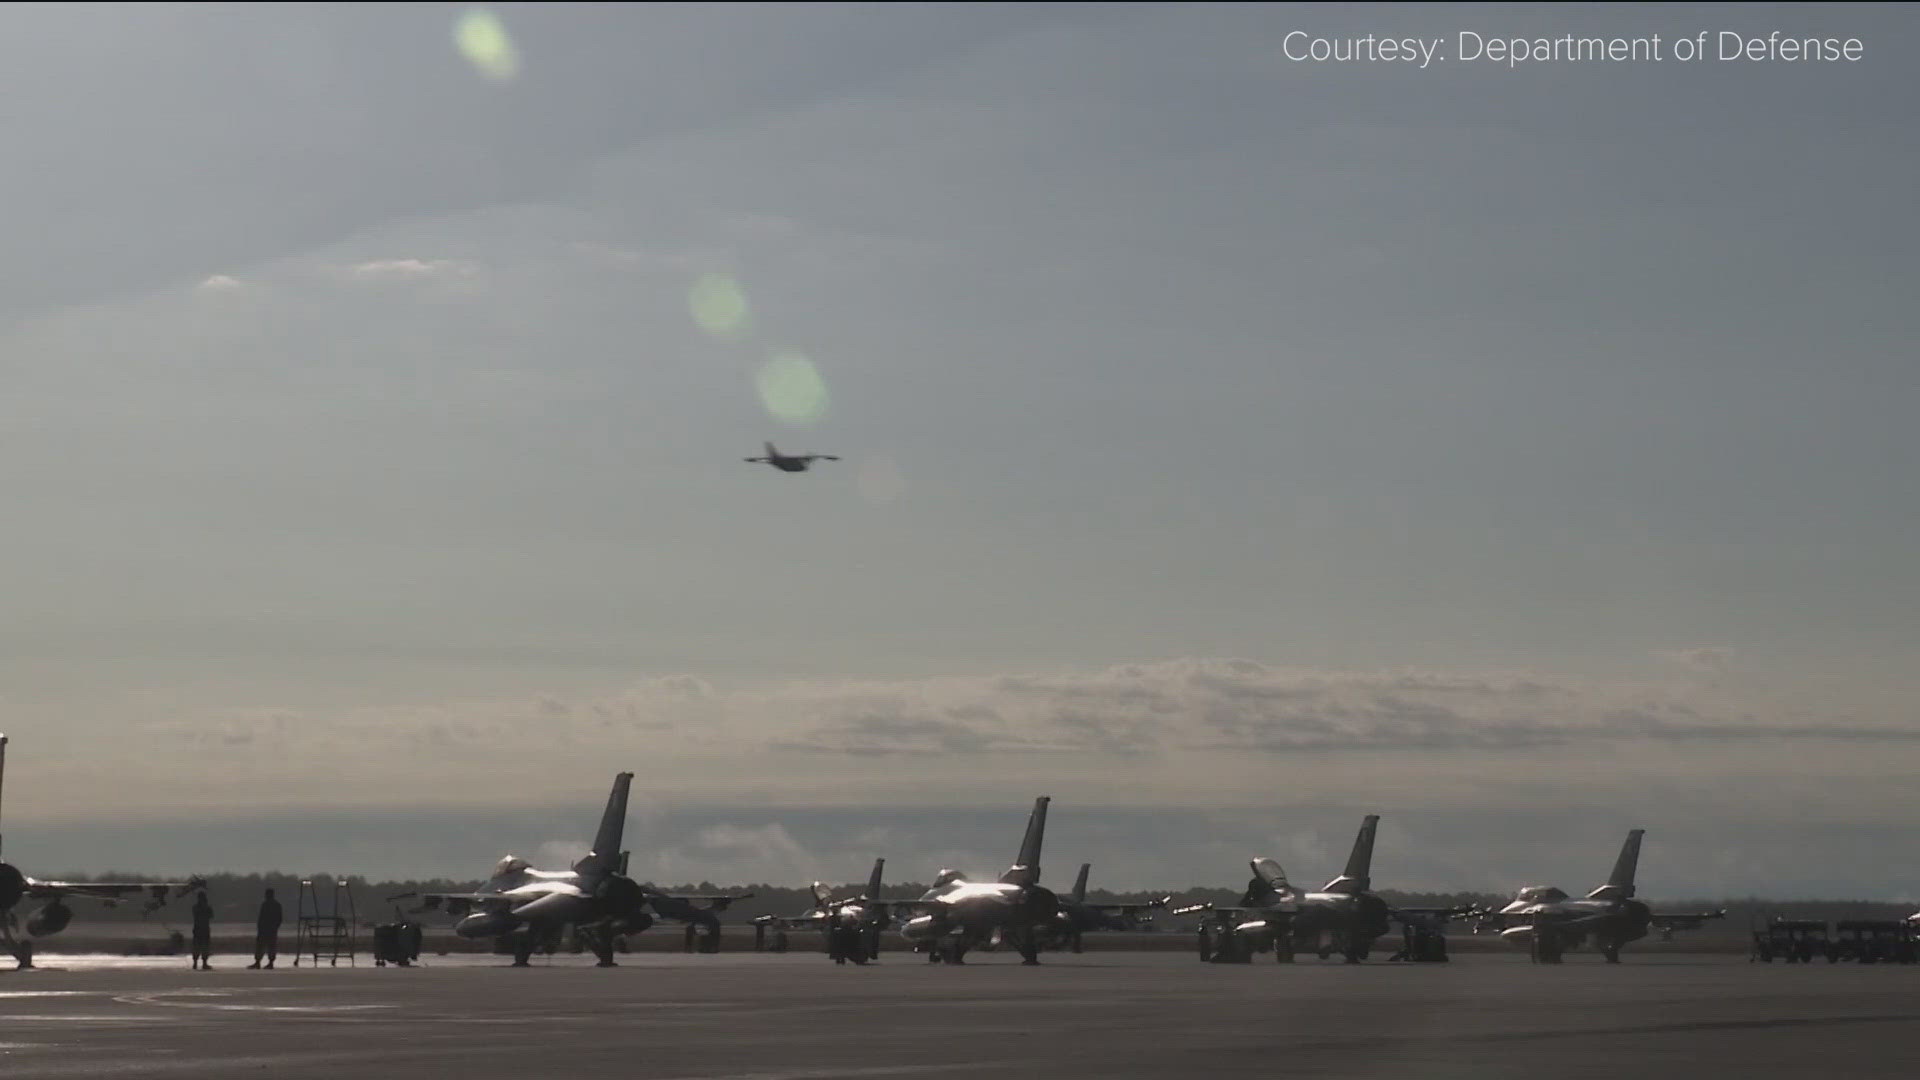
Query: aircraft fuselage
point(966, 907)
point(1354, 919)
point(1611, 923)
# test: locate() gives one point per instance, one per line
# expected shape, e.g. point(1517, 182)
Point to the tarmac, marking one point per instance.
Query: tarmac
point(797, 1016)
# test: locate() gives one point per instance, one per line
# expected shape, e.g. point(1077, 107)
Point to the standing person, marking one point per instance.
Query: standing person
point(202, 932)
point(266, 939)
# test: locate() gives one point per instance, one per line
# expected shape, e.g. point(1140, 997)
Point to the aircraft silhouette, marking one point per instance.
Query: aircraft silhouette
point(790, 462)
point(957, 914)
point(526, 908)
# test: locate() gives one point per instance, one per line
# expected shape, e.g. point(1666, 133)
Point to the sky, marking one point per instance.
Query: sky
point(1230, 446)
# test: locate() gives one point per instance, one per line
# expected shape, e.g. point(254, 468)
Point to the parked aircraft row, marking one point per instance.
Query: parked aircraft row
point(525, 910)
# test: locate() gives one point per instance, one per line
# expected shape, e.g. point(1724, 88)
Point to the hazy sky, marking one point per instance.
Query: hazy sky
point(1230, 446)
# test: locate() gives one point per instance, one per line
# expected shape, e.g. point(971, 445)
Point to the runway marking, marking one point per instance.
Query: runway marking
point(70, 1019)
point(161, 998)
point(1375, 1041)
point(826, 1074)
point(49, 993)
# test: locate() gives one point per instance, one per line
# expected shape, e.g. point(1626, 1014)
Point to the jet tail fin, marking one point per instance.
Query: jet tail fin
point(873, 879)
point(771, 452)
point(613, 825)
point(1619, 884)
point(1358, 876)
point(1080, 884)
point(1026, 867)
point(3, 762)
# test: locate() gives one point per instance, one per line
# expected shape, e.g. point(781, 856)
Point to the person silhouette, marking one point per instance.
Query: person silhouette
point(202, 932)
point(266, 939)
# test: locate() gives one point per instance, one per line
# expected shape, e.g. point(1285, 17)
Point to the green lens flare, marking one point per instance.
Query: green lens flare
point(791, 389)
point(484, 42)
point(720, 307)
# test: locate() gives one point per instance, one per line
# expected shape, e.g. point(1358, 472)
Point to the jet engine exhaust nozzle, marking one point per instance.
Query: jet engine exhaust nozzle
point(13, 886)
point(1039, 905)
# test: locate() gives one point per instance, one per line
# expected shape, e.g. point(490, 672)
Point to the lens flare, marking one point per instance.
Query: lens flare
point(482, 39)
point(720, 307)
point(791, 389)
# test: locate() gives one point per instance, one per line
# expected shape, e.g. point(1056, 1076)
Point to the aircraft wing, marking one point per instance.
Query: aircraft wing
point(455, 904)
point(1130, 909)
point(1431, 917)
point(1685, 920)
point(920, 903)
point(1223, 909)
point(702, 898)
point(158, 892)
point(790, 922)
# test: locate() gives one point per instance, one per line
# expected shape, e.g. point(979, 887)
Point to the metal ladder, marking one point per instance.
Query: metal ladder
point(328, 933)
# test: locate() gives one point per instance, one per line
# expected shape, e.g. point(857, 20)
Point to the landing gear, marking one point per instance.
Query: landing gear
point(1028, 942)
point(1610, 950)
point(846, 943)
point(1283, 949)
point(601, 942)
point(1223, 945)
point(1547, 948)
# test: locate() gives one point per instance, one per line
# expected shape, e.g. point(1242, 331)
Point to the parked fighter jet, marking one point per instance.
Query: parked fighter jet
point(1344, 916)
point(1077, 916)
point(54, 916)
point(959, 914)
point(790, 462)
point(851, 926)
point(528, 908)
point(1545, 920)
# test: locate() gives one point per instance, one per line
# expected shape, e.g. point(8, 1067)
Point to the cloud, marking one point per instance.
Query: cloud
point(553, 854)
point(609, 254)
point(1237, 706)
point(219, 283)
point(1708, 659)
point(1169, 719)
point(379, 269)
point(736, 853)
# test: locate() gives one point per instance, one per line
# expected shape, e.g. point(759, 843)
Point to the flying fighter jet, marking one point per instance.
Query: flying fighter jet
point(54, 916)
point(1344, 916)
point(851, 926)
point(1077, 916)
point(790, 462)
point(1545, 920)
point(959, 914)
point(527, 908)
